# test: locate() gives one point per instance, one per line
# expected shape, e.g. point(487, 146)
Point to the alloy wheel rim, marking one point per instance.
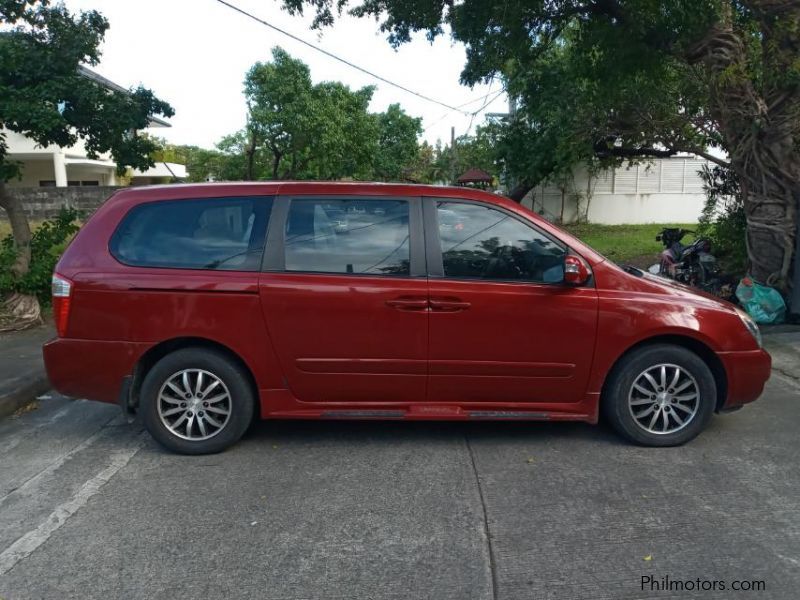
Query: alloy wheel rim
point(194, 404)
point(664, 399)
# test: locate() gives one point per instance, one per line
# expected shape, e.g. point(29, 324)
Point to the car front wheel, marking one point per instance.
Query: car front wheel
point(660, 395)
point(196, 401)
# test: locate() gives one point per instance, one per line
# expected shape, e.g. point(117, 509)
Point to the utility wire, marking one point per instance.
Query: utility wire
point(485, 104)
point(341, 60)
point(471, 114)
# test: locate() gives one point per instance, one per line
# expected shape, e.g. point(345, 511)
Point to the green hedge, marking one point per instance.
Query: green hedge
point(48, 242)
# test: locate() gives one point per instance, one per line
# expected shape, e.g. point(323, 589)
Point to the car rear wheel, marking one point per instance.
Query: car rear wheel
point(196, 401)
point(660, 395)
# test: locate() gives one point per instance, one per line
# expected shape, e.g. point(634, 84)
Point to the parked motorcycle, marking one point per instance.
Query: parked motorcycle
point(692, 264)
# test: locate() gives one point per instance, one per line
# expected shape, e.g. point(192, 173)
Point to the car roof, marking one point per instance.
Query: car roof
point(250, 188)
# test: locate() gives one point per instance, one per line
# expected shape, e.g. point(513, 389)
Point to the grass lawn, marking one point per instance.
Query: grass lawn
point(632, 244)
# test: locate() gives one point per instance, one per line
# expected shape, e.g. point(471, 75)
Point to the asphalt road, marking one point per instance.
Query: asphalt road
point(92, 508)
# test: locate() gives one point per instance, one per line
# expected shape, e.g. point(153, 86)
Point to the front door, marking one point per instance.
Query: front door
point(503, 326)
point(344, 296)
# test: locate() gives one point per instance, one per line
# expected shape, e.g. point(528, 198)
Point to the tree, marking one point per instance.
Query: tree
point(202, 164)
point(300, 130)
point(297, 129)
point(645, 79)
point(397, 147)
point(479, 151)
point(44, 96)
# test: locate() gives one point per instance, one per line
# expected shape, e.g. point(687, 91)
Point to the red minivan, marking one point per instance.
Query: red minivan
point(199, 307)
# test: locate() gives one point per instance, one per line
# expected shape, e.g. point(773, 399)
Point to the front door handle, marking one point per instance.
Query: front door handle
point(408, 303)
point(453, 305)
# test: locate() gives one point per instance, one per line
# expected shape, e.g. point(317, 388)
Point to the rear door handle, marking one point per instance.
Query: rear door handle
point(408, 303)
point(449, 305)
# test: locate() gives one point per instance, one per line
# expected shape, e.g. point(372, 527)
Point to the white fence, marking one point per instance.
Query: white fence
point(667, 190)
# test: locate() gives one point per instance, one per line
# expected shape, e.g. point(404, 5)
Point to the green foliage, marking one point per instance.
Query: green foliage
point(480, 151)
point(723, 219)
point(48, 242)
point(297, 129)
point(300, 130)
point(226, 163)
point(426, 166)
point(595, 82)
point(435, 163)
point(397, 147)
point(44, 96)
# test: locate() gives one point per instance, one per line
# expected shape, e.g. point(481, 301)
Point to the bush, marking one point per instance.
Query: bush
point(47, 244)
point(723, 219)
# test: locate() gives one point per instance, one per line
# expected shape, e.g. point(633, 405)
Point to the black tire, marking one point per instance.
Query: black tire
point(619, 391)
point(240, 403)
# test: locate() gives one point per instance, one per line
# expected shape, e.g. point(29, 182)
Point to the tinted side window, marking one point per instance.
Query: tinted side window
point(217, 233)
point(484, 243)
point(348, 236)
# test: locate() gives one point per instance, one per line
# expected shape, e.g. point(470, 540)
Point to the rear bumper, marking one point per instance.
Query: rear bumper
point(90, 369)
point(747, 372)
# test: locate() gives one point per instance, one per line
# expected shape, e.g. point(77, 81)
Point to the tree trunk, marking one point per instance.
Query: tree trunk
point(276, 163)
point(20, 229)
point(23, 307)
point(519, 192)
point(761, 130)
point(250, 153)
point(769, 175)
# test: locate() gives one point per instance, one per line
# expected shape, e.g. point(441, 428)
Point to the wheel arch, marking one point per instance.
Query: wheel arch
point(694, 345)
point(162, 349)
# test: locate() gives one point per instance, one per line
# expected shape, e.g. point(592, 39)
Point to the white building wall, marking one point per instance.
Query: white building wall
point(19, 144)
point(667, 190)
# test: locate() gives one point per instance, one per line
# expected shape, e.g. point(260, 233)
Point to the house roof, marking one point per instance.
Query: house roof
point(475, 175)
point(163, 169)
point(107, 83)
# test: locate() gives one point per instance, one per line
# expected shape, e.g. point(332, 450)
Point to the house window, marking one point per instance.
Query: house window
point(71, 183)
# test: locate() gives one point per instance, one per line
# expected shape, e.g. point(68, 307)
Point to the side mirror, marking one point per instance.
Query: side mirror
point(576, 271)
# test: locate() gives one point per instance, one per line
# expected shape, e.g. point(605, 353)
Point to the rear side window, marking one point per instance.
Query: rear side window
point(215, 233)
point(348, 236)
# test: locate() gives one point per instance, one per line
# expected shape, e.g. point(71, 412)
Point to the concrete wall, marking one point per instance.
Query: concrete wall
point(663, 191)
point(44, 202)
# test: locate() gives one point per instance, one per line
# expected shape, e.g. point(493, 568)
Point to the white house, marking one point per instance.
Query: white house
point(54, 166)
point(664, 190)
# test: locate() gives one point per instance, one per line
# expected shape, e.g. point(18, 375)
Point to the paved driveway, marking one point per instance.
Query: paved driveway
point(90, 508)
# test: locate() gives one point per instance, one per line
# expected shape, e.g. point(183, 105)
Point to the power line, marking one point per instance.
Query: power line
point(341, 60)
point(472, 114)
point(485, 104)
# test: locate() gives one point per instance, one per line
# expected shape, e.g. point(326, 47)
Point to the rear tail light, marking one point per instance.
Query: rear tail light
point(62, 292)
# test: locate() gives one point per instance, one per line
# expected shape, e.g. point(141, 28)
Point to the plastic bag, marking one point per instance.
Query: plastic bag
point(764, 304)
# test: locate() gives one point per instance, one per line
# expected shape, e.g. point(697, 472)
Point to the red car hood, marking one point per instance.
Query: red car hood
point(653, 284)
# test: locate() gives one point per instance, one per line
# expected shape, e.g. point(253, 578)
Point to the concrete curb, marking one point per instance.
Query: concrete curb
point(26, 393)
point(784, 347)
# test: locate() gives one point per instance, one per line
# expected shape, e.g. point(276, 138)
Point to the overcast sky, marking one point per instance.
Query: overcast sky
point(194, 54)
